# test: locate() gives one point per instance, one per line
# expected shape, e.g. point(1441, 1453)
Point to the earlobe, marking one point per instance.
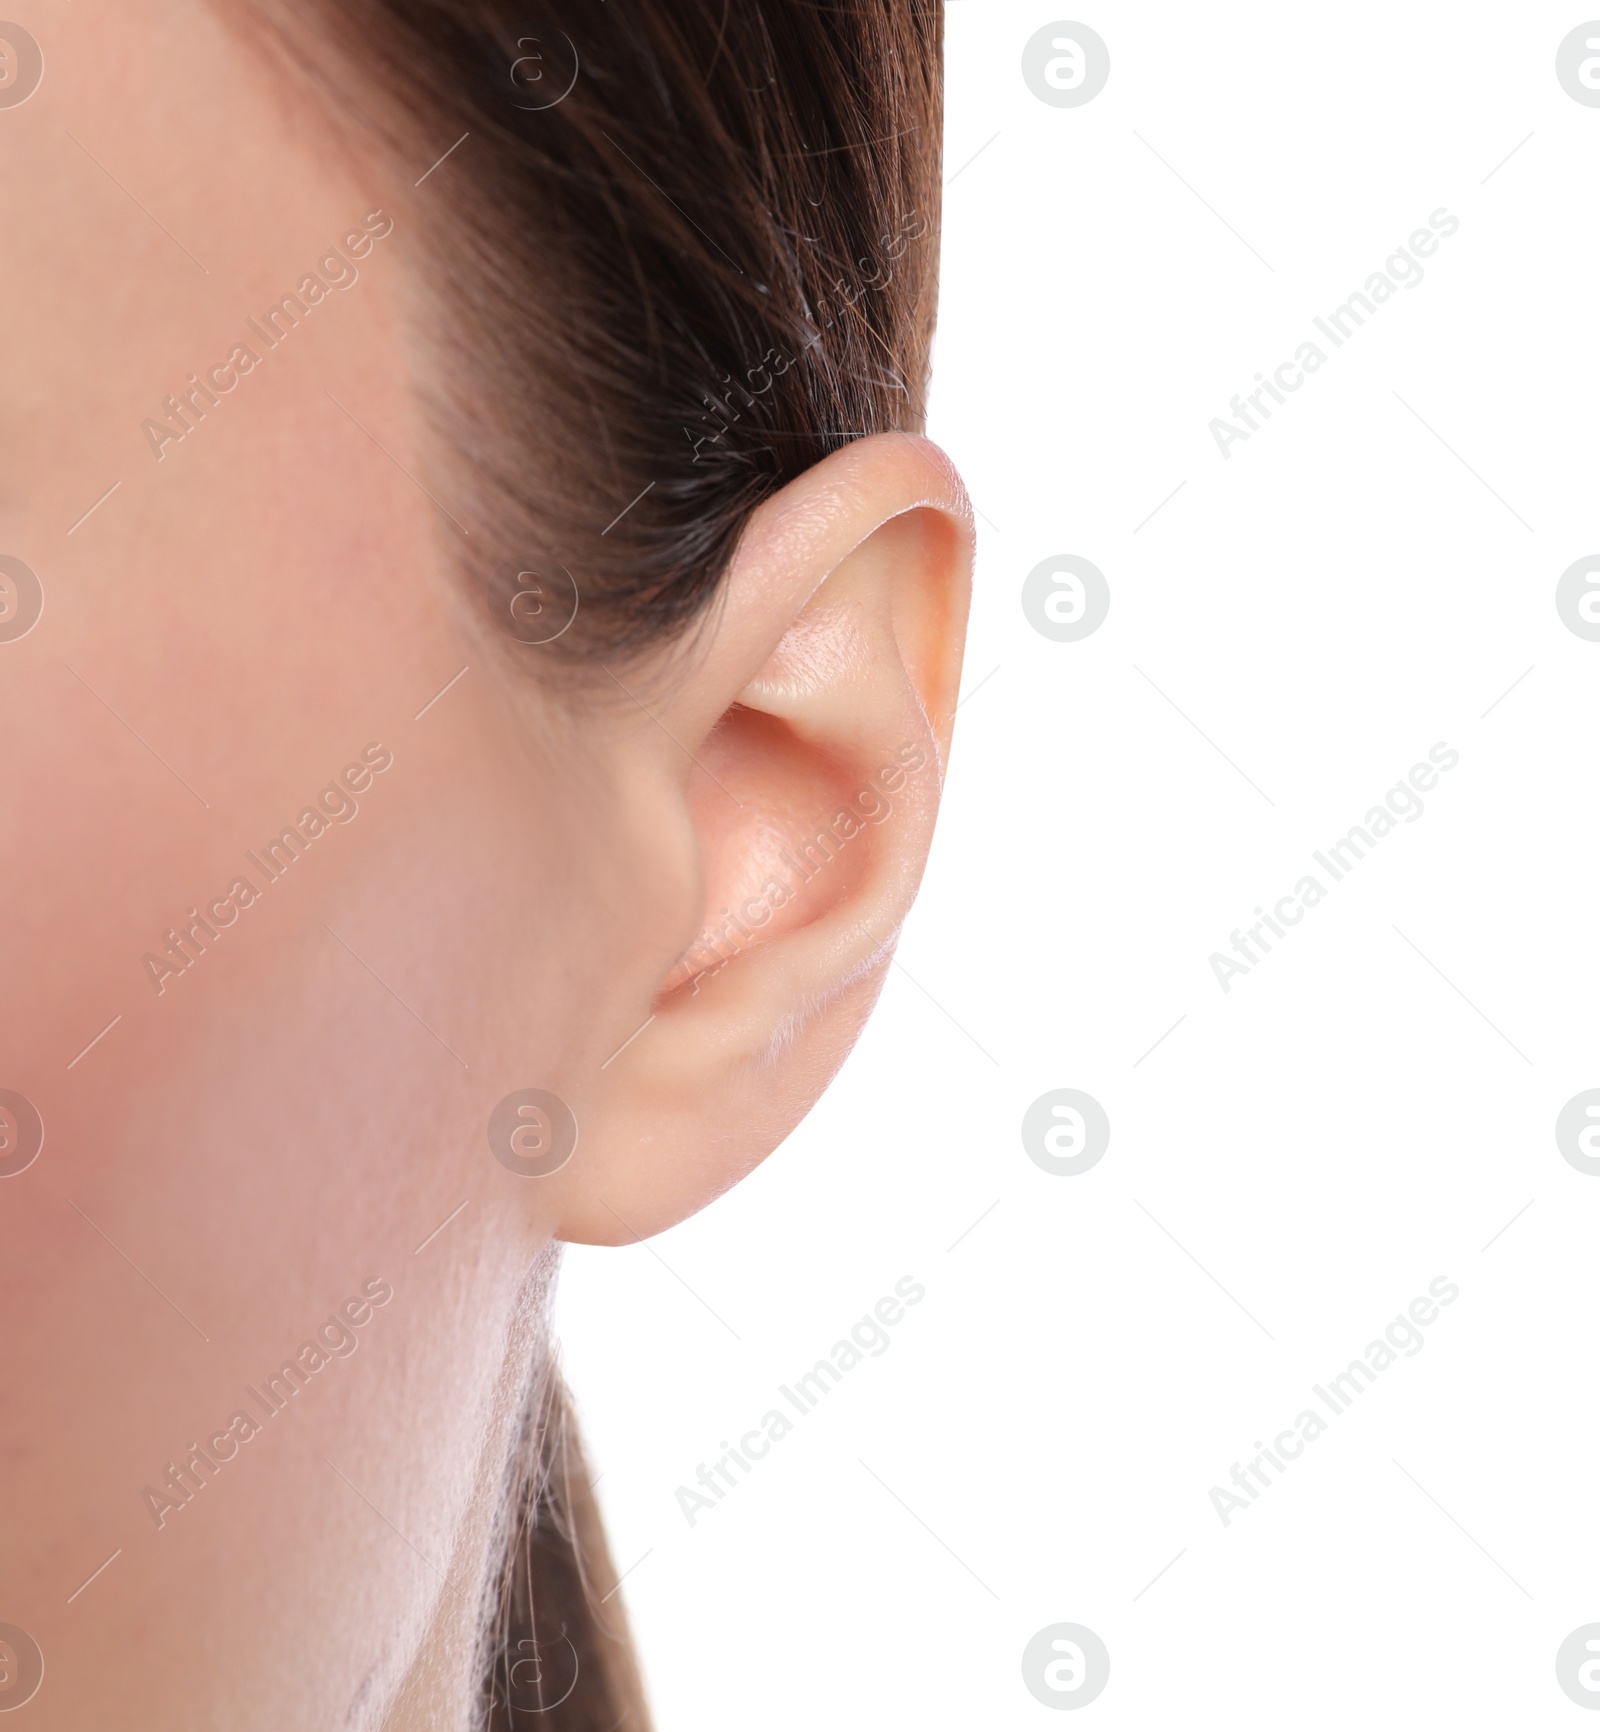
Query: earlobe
point(817, 719)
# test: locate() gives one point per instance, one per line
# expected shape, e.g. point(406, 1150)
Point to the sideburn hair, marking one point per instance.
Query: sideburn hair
point(654, 303)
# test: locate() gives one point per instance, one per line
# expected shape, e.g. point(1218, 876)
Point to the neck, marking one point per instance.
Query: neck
point(442, 1687)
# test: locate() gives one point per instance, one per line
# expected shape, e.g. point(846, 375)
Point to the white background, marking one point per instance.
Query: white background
point(1299, 1157)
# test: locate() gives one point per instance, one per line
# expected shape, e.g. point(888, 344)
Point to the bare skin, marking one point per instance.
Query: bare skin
point(238, 1146)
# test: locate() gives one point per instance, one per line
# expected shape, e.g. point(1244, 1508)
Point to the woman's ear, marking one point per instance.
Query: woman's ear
point(797, 764)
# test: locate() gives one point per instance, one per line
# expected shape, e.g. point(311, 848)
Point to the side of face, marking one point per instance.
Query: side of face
point(287, 907)
point(310, 872)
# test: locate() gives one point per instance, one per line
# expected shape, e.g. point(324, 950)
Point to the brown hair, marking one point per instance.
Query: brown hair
point(557, 1653)
point(662, 295)
point(680, 251)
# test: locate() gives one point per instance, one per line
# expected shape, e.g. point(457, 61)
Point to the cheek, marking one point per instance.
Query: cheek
point(293, 1118)
point(306, 1099)
point(225, 1162)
